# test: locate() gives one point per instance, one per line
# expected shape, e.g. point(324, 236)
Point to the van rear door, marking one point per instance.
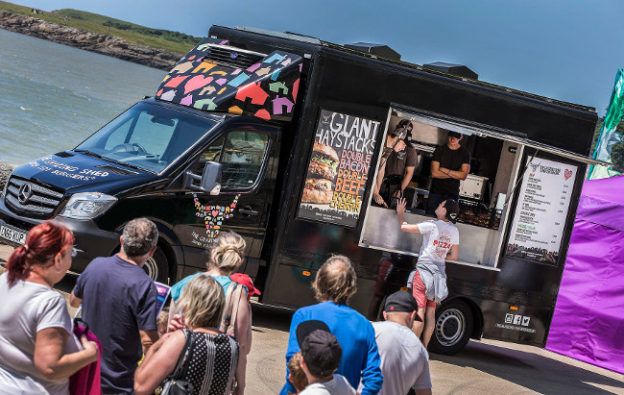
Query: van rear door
point(249, 157)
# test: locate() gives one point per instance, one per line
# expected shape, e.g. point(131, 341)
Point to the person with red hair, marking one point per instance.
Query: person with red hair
point(39, 351)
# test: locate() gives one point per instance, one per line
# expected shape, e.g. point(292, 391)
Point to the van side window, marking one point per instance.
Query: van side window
point(212, 153)
point(241, 154)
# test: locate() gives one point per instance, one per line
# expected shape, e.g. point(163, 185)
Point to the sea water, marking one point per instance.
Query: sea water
point(54, 96)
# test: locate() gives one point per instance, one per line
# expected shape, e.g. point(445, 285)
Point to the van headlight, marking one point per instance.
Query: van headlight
point(88, 205)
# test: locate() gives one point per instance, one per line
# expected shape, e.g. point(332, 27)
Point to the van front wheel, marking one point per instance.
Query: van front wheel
point(157, 267)
point(452, 328)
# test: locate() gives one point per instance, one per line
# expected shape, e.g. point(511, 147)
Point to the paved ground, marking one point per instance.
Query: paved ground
point(484, 367)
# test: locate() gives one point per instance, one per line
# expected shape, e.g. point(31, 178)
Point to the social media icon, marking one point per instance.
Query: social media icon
point(525, 320)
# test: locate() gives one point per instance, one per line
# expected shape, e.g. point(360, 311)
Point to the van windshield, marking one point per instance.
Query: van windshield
point(147, 136)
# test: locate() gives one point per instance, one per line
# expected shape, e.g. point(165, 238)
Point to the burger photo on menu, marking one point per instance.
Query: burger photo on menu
point(319, 186)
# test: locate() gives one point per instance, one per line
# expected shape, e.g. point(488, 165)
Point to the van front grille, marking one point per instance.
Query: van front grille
point(31, 198)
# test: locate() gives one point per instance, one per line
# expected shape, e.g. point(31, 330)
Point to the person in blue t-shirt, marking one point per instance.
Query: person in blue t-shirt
point(119, 303)
point(333, 286)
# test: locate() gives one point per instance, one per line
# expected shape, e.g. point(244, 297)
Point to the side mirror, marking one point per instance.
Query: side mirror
point(210, 180)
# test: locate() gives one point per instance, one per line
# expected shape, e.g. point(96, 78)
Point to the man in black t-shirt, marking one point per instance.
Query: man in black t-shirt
point(449, 165)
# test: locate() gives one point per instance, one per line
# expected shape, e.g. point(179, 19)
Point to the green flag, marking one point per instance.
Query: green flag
point(610, 147)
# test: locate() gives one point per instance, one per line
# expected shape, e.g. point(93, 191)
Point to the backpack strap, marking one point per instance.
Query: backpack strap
point(230, 310)
point(236, 296)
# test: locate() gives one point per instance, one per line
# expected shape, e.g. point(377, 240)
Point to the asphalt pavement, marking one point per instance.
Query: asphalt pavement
point(483, 367)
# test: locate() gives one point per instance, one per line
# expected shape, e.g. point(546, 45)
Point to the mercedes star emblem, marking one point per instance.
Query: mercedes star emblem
point(24, 193)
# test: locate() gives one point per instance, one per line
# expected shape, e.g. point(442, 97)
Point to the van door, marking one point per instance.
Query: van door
point(249, 158)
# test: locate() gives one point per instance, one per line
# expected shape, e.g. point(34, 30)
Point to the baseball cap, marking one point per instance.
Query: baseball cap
point(320, 350)
point(403, 124)
point(452, 210)
point(245, 280)
point(401, 302)
point(306, 327)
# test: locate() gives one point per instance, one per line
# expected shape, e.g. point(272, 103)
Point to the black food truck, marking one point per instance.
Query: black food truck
point(278, 136)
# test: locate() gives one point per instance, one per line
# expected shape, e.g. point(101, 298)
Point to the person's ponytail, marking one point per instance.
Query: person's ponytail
point(16, 265)
point(43, 242)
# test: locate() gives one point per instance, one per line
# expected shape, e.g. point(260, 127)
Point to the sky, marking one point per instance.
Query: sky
point(567, 50)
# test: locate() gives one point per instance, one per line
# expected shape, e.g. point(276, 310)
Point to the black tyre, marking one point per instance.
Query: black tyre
point(157, 267)
point(453, 327)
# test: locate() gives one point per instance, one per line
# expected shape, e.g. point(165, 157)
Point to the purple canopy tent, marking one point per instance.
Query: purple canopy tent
point(588, 323)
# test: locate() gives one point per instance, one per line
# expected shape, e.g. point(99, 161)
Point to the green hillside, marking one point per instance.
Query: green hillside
point(95, 23)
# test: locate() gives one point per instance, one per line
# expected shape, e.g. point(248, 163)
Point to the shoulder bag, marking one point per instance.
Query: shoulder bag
point(175, 383)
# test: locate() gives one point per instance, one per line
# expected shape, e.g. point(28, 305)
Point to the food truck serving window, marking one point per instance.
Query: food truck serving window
point(419, 161)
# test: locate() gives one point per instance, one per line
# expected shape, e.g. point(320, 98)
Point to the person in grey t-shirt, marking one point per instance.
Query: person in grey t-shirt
point(38, 350)
point(404, 360)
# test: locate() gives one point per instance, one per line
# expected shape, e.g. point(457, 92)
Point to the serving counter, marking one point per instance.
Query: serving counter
point(477, 245)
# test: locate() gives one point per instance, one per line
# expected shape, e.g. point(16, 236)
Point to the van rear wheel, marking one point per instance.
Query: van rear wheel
point(157, 267)
point(453, 328)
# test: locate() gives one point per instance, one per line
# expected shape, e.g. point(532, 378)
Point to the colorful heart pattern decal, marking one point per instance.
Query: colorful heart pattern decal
point(214, 215)
point(266, 89)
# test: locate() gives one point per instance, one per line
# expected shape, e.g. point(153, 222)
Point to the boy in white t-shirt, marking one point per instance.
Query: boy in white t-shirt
point(440, 243)
point(321, 354)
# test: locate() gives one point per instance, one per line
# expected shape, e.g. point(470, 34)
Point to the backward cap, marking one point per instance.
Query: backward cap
point(321, 352)
point(401, 302)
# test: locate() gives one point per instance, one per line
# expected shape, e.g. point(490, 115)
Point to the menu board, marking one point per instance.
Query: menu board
point(338, 169)
point(541, 211)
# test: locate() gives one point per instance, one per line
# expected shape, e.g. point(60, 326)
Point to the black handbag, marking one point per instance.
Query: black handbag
point(175, 384)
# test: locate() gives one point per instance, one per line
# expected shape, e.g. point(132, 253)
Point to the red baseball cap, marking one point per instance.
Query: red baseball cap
point(245, 280)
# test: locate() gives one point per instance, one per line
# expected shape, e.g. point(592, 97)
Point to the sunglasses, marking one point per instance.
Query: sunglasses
point(73, 252)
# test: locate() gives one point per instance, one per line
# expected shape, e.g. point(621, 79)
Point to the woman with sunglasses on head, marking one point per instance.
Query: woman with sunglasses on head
point(39, 351)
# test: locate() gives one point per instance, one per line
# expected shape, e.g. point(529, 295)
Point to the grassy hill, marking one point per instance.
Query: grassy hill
point(155, 38)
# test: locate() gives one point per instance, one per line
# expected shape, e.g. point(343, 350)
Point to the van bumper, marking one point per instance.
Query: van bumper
point(91, 241)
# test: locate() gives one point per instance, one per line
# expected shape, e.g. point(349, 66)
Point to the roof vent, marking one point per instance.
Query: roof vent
point(452, 68)
point(286, 35)
point(381, 50)
point(225, 55)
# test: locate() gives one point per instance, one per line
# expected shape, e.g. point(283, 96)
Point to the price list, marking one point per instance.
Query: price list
point(541, 210)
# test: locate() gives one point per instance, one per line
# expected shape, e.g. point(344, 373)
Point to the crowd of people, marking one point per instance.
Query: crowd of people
point(202, 343)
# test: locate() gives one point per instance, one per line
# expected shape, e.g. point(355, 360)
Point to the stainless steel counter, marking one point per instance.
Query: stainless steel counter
point(477, 245)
